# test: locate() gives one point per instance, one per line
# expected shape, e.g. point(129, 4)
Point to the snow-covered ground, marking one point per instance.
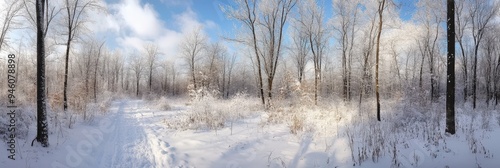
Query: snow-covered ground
point(135, 133)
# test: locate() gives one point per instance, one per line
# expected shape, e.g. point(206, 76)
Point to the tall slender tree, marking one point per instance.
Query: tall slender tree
point(347, 13)
point(450, 77)
point(246, 12)
point(269, 18)
point(42, 133)
point(152, 52)
point(462, 21)
point(381, 7)
point(96, 67)
point(481, 13)
point(11, 11)
point(313, 26)
point(74, 23)
point(191, 48)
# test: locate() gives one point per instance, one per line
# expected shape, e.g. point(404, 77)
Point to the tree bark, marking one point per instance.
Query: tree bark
point(42, 135)
point(65, 87)
point(380, 14)
point(450, 79)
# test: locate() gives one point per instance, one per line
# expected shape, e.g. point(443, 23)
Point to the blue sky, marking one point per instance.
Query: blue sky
point(209, 9)
point(136, 22)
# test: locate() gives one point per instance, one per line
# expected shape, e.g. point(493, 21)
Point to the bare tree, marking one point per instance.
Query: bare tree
point(481, 13)
point(51, 12)
point(191, 49)
point(96, 67)
point(489, 61)
point(367, 52)
point(228, 65)
point(381, 7)
point(152, 53)
point(461, 22)
point(346, 17)
point(274, 17)
point(11, 10)
point(74, 23)
point(431, 18)
point(300, 51)
point(268, 18)
point(216, 54)
point(137, 66)
point(246, 12)
point(313, 26)
point(115, 66)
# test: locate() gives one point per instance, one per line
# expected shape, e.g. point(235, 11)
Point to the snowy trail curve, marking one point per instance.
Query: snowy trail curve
point(131, 142)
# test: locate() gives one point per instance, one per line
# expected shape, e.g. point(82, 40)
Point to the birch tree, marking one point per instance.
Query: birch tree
point(191, 48)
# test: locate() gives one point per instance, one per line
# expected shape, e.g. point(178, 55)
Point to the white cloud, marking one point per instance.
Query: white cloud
point(141, 19)
point(134, 24)
point(187, 21)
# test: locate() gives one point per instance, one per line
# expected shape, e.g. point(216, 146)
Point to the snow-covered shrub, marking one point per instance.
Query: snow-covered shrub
point(297, 124)
point(105, 100)
point(150, 96)
point(162, 104)
point(212, 113)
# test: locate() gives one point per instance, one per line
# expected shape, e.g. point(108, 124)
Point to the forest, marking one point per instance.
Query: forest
point(255, 83)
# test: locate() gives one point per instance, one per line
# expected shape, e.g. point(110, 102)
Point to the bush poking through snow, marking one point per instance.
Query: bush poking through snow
point(297, 125)
point(213, 114)
point(162, 104)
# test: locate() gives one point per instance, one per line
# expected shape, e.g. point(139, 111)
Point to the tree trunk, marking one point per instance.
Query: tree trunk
point(42, 135)
point(474, 77)
point(450, 80)
point(95, 72)
point(150, 77)
point(65, 87)
point(380, 14)
point(137, 85)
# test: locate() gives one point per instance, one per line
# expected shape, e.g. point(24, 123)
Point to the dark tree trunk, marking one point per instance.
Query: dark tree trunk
point(450, 80)
point(42, 135)
point(65, 87)
point(150, 77)
point(261, 86)
point(380, 14)
point(137, 86)
point(474, 77)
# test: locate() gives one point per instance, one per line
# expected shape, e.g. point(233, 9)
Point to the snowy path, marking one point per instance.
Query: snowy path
point(134, 134)
point(130, 143)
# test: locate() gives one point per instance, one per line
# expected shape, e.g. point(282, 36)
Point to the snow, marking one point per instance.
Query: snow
point(135, 134)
